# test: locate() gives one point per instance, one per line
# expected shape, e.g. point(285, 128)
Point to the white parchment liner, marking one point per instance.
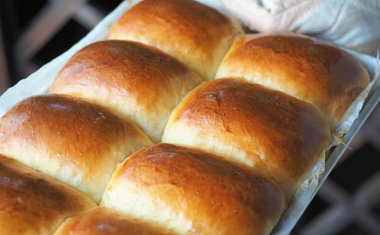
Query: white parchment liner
point(40, 81)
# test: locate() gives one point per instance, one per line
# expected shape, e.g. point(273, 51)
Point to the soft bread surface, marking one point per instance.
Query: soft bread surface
point(103, 220)
point(258, 127)
point(70, 139)
point(193, 192)
point(34, 203)
point(196, 34)
point(136, 81)
point(303, 67)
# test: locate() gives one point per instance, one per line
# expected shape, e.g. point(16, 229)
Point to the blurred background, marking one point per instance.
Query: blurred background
point(34, 32)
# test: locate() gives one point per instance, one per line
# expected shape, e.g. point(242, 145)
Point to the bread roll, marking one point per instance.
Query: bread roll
point(303, 67)
point(70, 139)
point(196, 34)
point(193, 192)
point(103, 220)
point(34, 203)
point(268, 130)
point(136, 81)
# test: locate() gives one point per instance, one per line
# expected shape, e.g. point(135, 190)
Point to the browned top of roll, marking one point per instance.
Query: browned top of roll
point(250, 124)
point(70, 139)
point(303, 67)
point(50, 114)
point(136, 81)
point(103, 220)
point(33, 203)
point(194, 33)
point(201, 193)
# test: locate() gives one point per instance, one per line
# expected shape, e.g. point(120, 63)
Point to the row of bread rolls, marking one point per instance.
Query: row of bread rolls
point(235, 148)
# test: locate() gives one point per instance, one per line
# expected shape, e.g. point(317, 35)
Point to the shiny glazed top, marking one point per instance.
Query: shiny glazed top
point(194, 33)
point(303, 67)
point(136, 81)
point(247, 123)
point(75, 141)
point(213, 194)
point(69, 129)
point(33, 203)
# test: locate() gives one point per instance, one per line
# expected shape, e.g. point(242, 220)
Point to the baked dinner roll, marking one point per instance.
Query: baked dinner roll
point(70, 139)
point(103, 220)
point(34, 203)
point(136, 81)
point(303, 67)
point(193, 192)
point(196, 34)
point(276, 134)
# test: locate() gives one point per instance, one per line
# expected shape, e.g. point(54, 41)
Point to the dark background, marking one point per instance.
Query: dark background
point(16, 15)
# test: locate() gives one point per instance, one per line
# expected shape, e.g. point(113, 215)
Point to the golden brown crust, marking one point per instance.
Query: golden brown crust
point(196, 34)
point(72, 140)
point(303, 67)
point(106, 221)
point(136, 81)
point(253, 125)
point(33, 203)
point(194, 192)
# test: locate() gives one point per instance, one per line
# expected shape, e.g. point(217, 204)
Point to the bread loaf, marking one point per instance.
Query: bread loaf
point(136, 81)
point(235, 148)
point(252, 125)
point(303, 67)
point(34, 203)
point(195, 34)
point(193, 192)
point(70, 139)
